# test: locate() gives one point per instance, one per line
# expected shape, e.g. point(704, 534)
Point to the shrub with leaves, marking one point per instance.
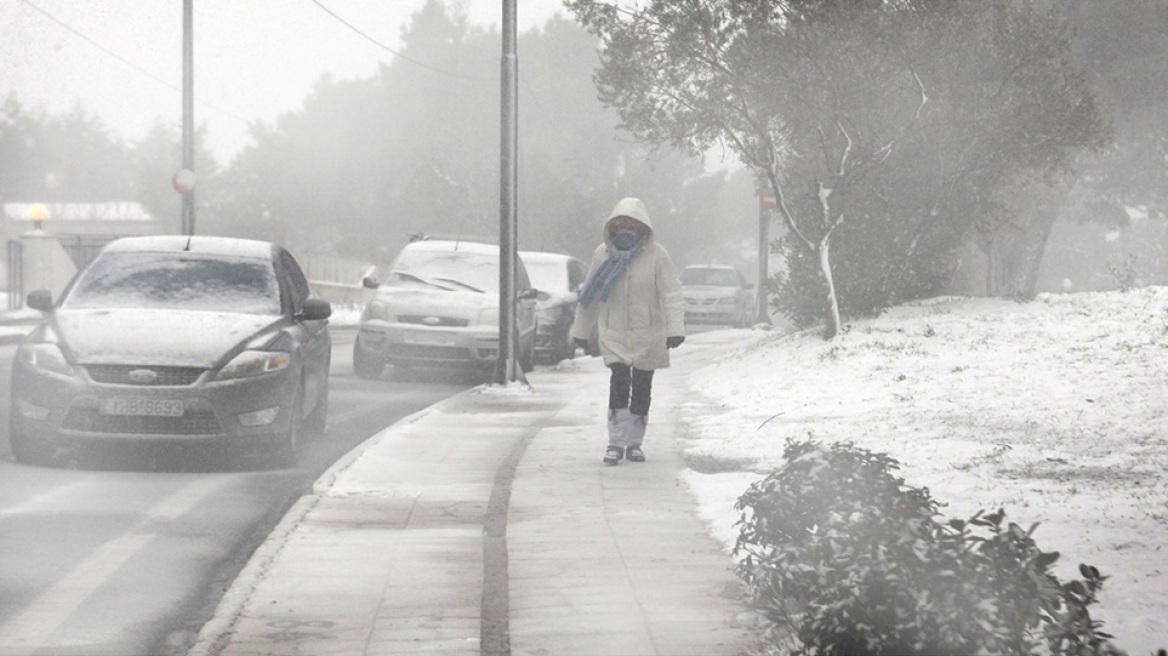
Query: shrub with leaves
point(844, 558)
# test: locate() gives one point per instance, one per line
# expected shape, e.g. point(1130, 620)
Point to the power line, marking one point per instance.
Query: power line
point(386, 48)
point(127, 62)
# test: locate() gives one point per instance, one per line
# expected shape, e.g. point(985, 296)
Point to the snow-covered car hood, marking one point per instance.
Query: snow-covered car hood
point(180, 338)
point(437, 302)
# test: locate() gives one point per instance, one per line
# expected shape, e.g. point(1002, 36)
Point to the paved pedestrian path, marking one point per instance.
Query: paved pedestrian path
point(488, 524)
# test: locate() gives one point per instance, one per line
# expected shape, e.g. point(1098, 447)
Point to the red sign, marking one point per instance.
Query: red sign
point(184, 181)
point(766, 202)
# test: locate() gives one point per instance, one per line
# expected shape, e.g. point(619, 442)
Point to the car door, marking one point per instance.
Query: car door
point(525, 306)
point(314, 338)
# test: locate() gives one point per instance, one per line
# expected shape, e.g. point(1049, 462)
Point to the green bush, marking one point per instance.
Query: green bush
point(844, 559)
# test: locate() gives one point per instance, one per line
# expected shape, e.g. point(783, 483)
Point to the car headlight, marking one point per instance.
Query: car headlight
point(255, 363)
point(489, 317)
point(376, 310)
point(44, 356)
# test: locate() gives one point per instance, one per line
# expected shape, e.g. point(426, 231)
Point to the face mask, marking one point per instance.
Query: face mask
point(624, 240)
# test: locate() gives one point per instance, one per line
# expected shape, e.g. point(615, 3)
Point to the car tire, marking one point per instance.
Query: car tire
point(368, 367)
point(27, 449)
point(284, 450)
point(317, 422)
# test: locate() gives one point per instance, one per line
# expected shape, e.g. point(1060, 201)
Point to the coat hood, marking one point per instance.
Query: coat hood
point(634, 209)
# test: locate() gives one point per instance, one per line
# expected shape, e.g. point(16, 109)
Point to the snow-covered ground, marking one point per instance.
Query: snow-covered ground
point(1055, 410)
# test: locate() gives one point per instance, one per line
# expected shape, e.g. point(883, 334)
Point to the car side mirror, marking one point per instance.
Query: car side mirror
point(528, 294)
point(370, 282)
point(40, 299)
point(314, 309)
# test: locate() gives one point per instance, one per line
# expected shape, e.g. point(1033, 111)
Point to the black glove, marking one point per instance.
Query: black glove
point(674, 342)
point(582, 343)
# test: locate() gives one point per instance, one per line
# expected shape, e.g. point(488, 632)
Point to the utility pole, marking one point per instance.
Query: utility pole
point(188, 117)
point(506, 371)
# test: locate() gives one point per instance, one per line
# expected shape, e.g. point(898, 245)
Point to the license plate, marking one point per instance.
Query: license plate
point(142, 407)
point(430, 338)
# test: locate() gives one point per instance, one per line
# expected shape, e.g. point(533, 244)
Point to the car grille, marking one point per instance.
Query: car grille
point(700, 301)
point(119, 374)
point(420, 319)
point(192, 422)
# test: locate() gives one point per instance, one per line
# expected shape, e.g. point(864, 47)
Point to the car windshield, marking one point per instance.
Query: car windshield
point(462, 270)
point(548, 276)
point(181, 281)
point(713, 277)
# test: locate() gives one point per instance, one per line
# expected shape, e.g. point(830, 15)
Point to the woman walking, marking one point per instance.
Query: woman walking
point(633, 298)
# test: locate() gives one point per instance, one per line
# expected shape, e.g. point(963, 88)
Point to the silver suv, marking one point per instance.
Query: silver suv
point(439, 307)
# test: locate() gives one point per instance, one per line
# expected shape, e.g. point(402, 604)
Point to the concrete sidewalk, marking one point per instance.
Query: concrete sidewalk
point(488, 524)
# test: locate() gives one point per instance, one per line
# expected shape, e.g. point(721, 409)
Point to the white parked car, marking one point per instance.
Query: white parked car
point(439, 307)
point(717, 294)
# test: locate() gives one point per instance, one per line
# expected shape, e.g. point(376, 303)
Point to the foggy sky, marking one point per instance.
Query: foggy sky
point(254, 59)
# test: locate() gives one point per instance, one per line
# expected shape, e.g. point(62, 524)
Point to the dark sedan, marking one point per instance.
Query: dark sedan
point(558, 278)
point(175, 339)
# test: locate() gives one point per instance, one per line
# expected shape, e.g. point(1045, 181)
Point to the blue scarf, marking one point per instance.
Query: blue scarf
point(625, 245)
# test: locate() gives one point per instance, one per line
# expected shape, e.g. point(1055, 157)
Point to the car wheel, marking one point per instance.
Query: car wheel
point(743, 319)
point(284, 453)
point(366, 366)
point(318, 420)
point(27, 449)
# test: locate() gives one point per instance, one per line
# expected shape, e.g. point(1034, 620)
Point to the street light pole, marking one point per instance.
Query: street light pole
point(188, 115)
point(506, 371)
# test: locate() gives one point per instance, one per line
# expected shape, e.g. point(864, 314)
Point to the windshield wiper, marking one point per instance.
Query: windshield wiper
point(461, 284)
point(410, 276)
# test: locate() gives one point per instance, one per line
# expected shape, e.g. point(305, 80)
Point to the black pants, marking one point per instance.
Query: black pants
point(630, 388)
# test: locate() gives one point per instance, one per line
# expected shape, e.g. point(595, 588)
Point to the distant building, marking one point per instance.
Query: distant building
point(109, 218)
point(82, 228)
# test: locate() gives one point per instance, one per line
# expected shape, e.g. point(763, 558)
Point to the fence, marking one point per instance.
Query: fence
point(334, 279)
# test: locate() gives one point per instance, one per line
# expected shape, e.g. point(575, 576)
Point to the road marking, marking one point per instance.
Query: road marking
point(52, 609)
point(36, 504)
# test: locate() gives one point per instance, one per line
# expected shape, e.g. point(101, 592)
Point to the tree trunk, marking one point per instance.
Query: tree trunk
point(764, 248)
point(832, 323)
point(1012, 265)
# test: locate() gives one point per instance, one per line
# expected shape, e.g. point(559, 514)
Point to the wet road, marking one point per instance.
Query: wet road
point(127, 553)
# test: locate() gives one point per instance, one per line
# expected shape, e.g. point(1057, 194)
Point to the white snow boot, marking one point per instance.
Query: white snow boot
point(634, 436)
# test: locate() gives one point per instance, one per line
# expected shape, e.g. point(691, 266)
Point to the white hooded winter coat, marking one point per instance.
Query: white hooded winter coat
point(646, 304)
